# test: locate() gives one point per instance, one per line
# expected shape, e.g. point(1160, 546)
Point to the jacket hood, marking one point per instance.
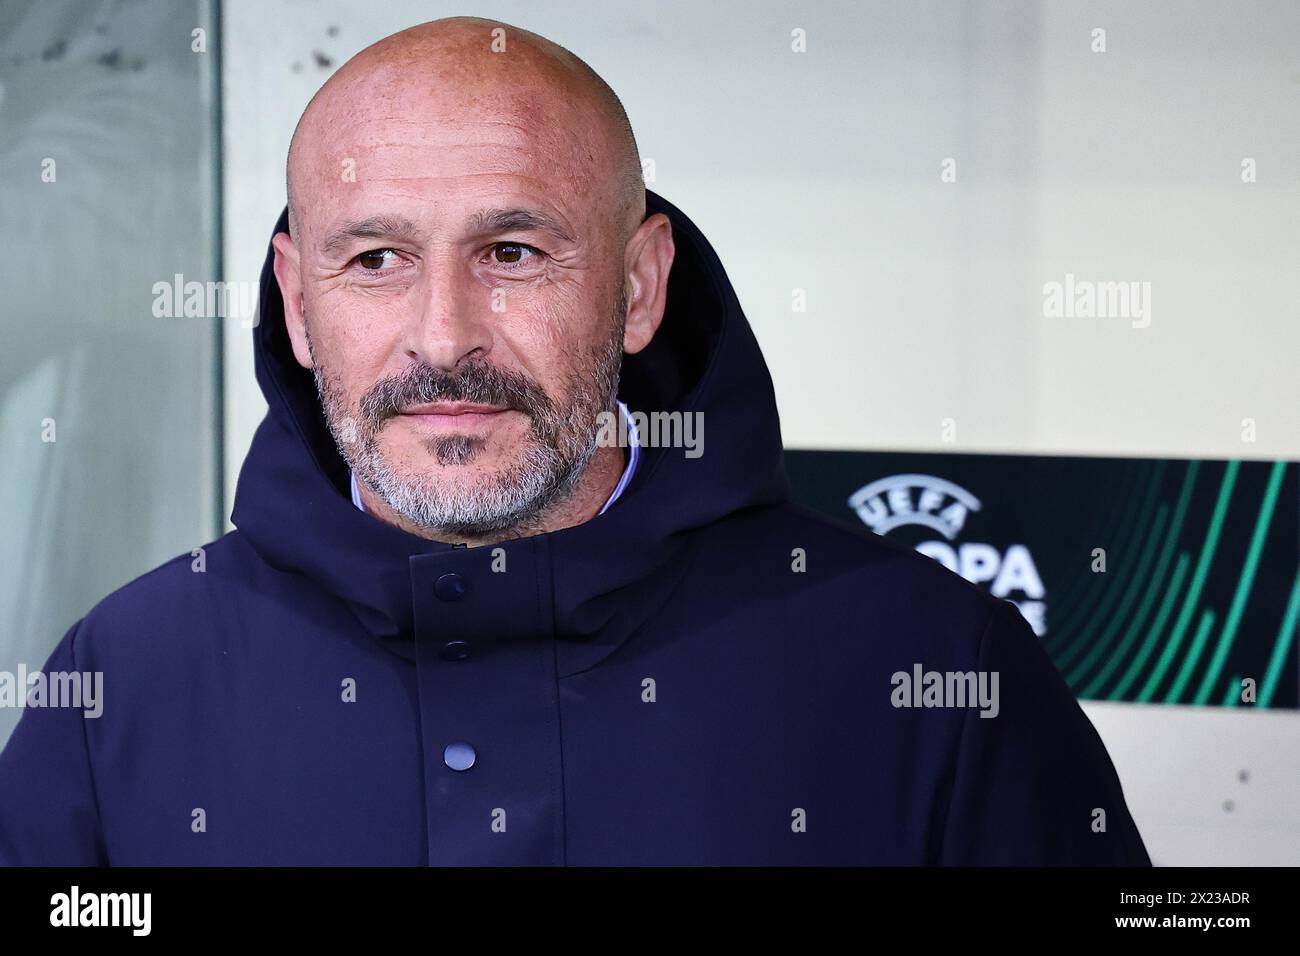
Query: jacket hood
point(293, 502)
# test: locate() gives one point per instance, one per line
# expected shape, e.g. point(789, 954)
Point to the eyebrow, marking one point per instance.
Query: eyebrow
point(373, 227)
point(506, 220)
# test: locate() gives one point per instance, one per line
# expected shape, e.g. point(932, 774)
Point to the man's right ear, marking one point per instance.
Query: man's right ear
point(289, 275)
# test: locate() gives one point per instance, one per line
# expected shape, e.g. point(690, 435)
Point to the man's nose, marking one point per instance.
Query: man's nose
point(451, 318)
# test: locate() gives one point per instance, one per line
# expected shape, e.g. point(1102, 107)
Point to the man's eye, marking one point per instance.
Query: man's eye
point(510, 253)
point(374, 260)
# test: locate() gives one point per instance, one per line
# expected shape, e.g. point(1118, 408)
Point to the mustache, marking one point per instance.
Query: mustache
point(478, 383)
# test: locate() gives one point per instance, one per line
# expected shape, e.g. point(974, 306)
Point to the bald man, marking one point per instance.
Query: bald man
point(462, 375)
point(491, 597)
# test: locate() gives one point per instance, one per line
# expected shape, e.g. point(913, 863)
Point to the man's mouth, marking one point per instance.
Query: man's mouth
point(453, 414)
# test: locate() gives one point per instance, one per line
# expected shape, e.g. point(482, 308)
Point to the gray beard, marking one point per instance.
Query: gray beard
point(560, 446)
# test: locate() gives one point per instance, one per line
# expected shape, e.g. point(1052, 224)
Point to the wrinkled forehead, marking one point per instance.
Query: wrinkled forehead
point(448, 149)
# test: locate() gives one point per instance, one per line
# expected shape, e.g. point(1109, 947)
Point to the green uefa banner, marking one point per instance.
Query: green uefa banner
point(1168, 581)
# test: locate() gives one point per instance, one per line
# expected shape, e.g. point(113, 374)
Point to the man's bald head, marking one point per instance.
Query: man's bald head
point(484, 67)
point(468, 229)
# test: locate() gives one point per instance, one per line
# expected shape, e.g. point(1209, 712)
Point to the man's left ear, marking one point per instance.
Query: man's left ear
point(649, 259)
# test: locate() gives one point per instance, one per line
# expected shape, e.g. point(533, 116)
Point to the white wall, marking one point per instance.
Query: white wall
point(1207, 785)
point(821, 171)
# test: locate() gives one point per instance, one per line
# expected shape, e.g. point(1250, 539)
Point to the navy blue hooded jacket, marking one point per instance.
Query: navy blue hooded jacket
point(704, 674)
